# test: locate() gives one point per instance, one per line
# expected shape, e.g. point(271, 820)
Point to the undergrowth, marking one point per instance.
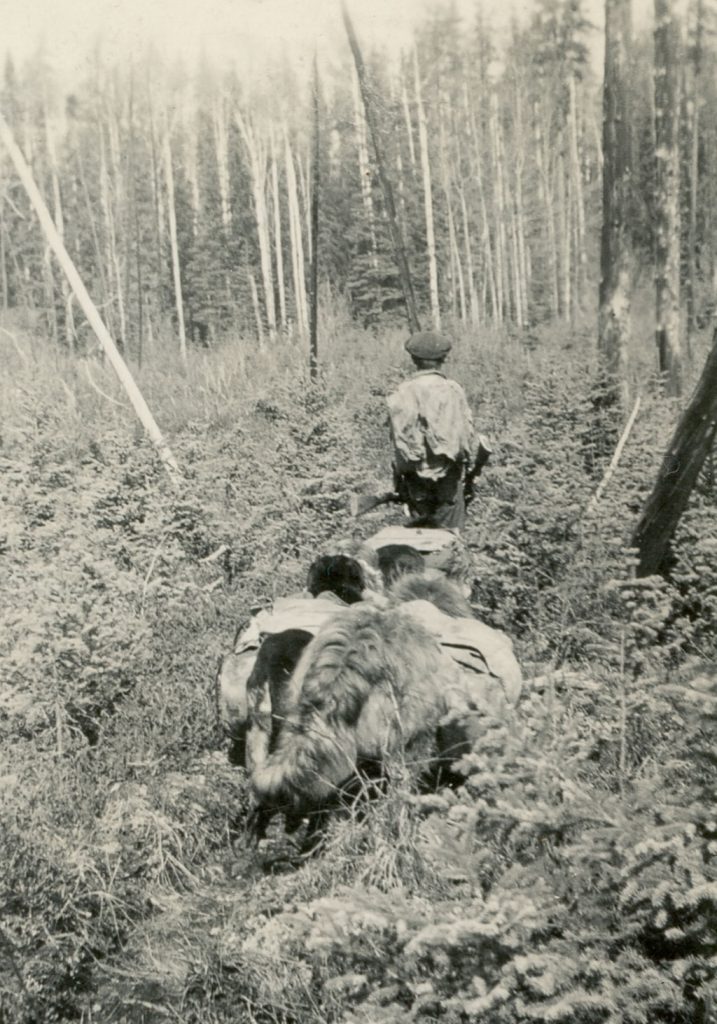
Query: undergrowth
point(568, 876)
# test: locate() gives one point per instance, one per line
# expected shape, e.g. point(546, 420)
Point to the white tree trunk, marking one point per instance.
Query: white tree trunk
point(257, 161)
point(278, 246)
point(576, 177)
point(427, 199)
point(297, 245)
point(179, 300)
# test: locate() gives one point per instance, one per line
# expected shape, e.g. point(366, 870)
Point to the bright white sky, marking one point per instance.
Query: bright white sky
point(244, 32)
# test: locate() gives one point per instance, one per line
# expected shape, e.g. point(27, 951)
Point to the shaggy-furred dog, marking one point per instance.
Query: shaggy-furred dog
point(441, 592)
point(370, 683)
point(396, 560)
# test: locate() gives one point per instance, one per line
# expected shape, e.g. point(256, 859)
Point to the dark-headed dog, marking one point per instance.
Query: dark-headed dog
point(396, 560)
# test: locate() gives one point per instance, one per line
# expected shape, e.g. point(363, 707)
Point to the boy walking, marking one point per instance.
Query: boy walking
point(433, 437)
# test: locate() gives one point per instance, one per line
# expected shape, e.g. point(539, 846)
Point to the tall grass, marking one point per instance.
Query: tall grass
point(129, 892)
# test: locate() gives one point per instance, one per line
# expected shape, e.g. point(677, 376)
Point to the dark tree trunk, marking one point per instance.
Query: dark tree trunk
point(667, 226)
point(614, 297)
point(688, 449)
point(399, 248)
point(693, 106)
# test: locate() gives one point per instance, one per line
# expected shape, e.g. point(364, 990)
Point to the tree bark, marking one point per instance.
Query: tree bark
point(278, 244)
point(297, 244)
point(694, 143)
point(179, 300)
point(257, 161)
point(501, 255)
point(614, 293)
point(427, 199)
point(690, 445)
point(315, 184)
point(577, 191)
point(667, 228)
point(409, 126)
point(399, 248)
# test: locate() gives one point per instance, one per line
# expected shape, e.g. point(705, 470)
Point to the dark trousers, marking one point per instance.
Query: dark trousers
point(435, 503)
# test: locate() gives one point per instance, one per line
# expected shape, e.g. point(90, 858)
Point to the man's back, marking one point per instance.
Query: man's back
point(431, 423)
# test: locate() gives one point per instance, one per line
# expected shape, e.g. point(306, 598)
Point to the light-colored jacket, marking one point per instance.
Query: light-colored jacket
point(431, 424)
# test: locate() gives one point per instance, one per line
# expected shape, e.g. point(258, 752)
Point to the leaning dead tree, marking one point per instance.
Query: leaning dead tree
point(87, 305)
point(372, 122)
point(614, 296)
point(686, 454)
point(668, 74)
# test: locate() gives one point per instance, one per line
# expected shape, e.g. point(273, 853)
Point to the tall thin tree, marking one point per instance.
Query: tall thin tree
point(668, 77)
point(394, 227)
point(176, 274)
point(315, 184)
point(614, 294)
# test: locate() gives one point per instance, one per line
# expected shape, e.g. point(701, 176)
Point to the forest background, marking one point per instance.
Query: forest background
point(572, 876)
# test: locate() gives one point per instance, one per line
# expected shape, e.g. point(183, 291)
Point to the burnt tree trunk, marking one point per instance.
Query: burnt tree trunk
point(686, 454)
point(667, 158)
point(371, 121)
point(614, 297)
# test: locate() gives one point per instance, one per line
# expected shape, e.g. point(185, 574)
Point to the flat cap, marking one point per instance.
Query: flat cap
point(428, 345)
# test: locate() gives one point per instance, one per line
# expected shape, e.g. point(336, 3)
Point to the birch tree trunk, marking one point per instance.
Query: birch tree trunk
point(427, 198)
point(577, 193)
point(667, 227)
point(179, 300)
point(315, 183)
point(470, 270)
point(115, 198)
point(409, 126)
point(564, 224)
point(501, 256)
point(614, 295)
point(296, 240)
point(278, 243)
point(257, 161)
point(157, 196)
point(522, 262)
